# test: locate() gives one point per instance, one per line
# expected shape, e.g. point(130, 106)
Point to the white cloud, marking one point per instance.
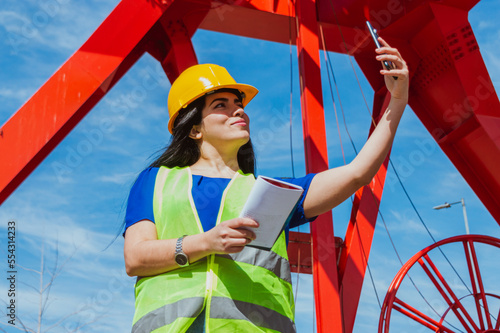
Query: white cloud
point(12, 21)
point(18, 94)
point(403, 221)
point(121, 179)
point(58, 230)
point(485, 25)
point(450, 184)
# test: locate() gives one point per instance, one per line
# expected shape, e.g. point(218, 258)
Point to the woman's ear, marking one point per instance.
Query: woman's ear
point(195, 133)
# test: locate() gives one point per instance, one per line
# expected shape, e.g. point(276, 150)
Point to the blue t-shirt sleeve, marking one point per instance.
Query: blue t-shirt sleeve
point(298, 217)
point(140, 199)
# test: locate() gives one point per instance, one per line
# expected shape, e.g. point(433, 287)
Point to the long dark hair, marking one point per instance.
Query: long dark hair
point(184, 151)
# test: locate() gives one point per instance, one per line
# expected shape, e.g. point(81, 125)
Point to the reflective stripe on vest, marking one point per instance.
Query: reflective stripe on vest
point(262, 258)
point(253, 287)
point(222, 308)
point(167, 314)
point(226, 308)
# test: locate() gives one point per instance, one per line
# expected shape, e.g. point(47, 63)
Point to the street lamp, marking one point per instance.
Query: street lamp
point(448, 205)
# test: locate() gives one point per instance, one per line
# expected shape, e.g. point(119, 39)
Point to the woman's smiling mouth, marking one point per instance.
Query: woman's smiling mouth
point(241, 122)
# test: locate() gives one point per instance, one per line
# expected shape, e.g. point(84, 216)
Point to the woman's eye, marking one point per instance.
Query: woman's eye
point(220, 105)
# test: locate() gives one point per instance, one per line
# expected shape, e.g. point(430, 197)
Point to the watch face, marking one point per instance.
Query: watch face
point(181, 259)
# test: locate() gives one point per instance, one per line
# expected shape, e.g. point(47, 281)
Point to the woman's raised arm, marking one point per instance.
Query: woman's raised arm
point(331, 187)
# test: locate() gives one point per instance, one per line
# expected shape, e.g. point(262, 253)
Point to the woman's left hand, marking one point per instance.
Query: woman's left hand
point(398, 88)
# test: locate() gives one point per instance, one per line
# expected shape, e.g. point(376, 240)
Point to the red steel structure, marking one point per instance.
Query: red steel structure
point(451, 92)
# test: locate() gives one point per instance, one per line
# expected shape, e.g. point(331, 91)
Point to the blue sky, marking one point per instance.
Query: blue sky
point(74, 202)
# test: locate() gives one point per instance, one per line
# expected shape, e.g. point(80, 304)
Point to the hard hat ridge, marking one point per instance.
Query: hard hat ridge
point(199, 80)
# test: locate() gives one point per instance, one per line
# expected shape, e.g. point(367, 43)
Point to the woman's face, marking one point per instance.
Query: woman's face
point(224, 120)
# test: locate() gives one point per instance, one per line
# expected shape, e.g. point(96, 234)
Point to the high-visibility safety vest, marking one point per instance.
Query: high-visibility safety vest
point(249, 291)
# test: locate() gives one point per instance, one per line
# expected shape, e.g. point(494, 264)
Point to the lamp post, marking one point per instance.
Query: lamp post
point(448, 205)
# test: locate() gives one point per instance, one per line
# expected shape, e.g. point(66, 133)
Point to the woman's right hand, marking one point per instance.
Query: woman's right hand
point(146, 255)
point(231, 236)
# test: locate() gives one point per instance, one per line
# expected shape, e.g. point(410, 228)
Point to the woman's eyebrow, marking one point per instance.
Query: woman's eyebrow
point(223, 99)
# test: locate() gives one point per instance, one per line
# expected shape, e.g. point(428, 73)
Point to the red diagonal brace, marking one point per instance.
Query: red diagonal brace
point(359, 234)
point(47, 117)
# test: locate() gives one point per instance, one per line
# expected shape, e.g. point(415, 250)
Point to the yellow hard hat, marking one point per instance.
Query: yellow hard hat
point(199, 80)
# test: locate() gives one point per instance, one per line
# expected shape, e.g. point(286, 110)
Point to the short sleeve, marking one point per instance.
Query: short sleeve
point(140, 199)
point(299, 218)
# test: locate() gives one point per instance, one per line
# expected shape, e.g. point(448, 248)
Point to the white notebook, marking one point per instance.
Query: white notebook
point(270, 203)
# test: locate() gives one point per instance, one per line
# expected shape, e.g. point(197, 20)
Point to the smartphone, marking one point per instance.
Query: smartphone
point(387, 64)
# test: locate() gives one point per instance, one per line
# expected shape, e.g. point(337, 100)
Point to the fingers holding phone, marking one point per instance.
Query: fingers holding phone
point(398, 69)
point(390, 58)
point(373, 32)
point(394, 66)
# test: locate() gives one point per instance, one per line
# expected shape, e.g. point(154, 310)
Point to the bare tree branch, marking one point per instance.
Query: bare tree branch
point(28, 285)
point(18, 319)
point(54, 273)
point(46, 280)
point(40, 307)
point(13, 326)
point(78, 325)
point(27, 269)
point(77, 329)
point(23, 328)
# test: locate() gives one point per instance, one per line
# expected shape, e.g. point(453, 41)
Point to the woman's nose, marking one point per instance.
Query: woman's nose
point(239, 112)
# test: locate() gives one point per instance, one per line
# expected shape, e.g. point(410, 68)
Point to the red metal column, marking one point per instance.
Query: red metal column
point(326, 289)
point(359, 234)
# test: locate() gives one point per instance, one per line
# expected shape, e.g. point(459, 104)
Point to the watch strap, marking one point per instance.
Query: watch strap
point(178, 245)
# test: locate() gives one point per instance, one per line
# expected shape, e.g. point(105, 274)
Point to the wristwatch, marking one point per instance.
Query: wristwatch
point(180, 257)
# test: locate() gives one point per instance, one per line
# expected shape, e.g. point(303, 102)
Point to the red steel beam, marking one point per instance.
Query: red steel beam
point(179, 24)
point(453, 95)
point(475, 151)
point(181, 55)
point(326, 287)
point(359, 234)
point(274, 19)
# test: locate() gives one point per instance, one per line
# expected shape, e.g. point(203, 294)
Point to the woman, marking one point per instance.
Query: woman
point(183, 237)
